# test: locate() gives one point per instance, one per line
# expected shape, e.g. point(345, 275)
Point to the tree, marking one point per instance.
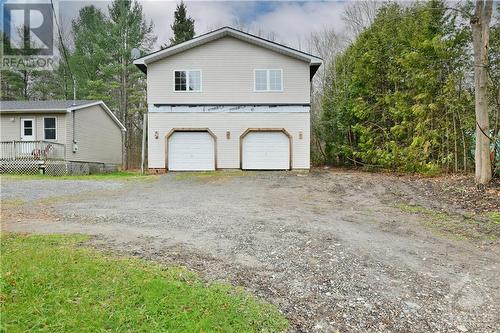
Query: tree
point(183, 26)
point(480, 23)
point(26, 83)
point(397, 97)
point(359, 15)
point(129, 30)
point(91, 55)
point(102, 64)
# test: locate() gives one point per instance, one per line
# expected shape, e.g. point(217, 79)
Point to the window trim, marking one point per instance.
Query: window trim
point(268, 77)
point(187, 80)
point(55, 128)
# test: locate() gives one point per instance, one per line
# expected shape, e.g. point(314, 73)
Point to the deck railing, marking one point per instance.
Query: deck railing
point(32, 150)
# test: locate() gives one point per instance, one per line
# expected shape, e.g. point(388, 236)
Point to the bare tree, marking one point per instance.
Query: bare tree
point(327, 45)
point(360, 14)
point(480, 23)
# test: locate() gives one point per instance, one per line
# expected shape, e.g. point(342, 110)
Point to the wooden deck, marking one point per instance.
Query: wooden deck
point(32, 150)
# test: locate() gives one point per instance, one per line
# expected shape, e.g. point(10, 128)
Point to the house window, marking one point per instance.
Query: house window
point(49, 128)
point(187, 80)
point(28, 127)
point(268, 80)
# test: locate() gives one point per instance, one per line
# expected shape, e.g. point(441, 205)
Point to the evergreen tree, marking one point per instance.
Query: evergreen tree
point(102, 65)
point(129, 30)
point(398, 97)
point(183, 26)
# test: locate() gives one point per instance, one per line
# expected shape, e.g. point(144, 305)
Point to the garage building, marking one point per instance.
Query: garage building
point(228, 100)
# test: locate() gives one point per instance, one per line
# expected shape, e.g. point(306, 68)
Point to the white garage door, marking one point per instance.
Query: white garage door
point(266, 151)
point(191, 151)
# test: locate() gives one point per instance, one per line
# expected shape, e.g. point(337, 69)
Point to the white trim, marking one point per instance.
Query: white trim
point(268, 78)
point(33, 127)
point(104, 106)
point(55, 128)
point(187, 80)
point(229, 109)
point(225, 31)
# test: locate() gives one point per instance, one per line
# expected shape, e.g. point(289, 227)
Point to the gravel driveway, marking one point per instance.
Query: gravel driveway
point(331, 249)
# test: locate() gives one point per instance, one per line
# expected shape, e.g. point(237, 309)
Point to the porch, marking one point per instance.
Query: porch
point(31, 157)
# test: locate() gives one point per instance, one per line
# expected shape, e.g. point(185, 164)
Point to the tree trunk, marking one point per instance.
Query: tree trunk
point(480, 23)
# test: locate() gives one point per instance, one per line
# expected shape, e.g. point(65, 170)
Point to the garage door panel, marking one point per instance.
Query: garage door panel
point(191, 151)
point(266, 151)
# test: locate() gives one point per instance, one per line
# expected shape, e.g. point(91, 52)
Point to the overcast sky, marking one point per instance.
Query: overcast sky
point(290, 21)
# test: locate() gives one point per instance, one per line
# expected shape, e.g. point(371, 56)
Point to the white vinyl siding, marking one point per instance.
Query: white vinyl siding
point(191, 151)
point(10, 129)
point(263, 150)
point(227, 67)
point(235, 123)
point(98, 137)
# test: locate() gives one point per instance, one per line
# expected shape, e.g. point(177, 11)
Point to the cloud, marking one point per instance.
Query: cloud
point(290, 22)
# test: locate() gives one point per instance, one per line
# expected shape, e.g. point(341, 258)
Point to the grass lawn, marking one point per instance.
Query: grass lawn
point(209, 176)
point(51, 284)
point(125, 175)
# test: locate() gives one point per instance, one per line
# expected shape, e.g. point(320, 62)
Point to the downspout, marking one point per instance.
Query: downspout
point(74, 147)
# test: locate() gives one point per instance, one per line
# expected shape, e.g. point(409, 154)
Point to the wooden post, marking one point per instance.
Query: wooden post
point(144, 132)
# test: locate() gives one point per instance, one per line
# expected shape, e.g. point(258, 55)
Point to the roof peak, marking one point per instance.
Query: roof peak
point(219, 33)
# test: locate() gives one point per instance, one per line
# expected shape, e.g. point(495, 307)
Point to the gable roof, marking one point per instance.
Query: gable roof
point(58, 106)
point(314, 61)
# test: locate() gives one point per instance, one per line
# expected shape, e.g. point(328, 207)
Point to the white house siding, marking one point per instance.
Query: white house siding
point(228, 154)
point(227, 67)
point(98, 137)
point(10, 126)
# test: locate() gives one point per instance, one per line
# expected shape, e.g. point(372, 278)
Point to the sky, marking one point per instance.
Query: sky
point(289, 22)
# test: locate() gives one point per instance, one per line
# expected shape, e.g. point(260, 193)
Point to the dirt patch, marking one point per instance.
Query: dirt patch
point(331, 249)
point(459, 191)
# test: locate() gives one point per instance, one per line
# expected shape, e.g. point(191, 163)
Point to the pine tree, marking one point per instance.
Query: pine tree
point(183, 26)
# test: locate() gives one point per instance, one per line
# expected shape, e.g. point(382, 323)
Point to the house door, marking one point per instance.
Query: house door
point(27, 129)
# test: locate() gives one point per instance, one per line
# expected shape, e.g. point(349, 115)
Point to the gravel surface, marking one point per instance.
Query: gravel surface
point(37, 189)
point(331, 249)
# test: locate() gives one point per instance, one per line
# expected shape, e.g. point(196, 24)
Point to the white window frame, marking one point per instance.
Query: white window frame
point(54, 128)
point(187, 80)
point(268, 78)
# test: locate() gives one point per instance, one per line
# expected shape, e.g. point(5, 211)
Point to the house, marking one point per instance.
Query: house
point(228, 99)
point(59, 137)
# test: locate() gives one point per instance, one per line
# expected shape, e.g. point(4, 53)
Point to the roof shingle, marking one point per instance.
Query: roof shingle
point(41, 105)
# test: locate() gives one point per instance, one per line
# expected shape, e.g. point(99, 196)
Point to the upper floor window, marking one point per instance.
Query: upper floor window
point(49, 128)
point(268, 80)
point(187, 80)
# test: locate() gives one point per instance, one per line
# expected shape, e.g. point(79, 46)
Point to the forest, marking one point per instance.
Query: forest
point(396, 91)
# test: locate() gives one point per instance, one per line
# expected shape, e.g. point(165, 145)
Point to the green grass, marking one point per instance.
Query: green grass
point(53, 284)
point(494, 217)
point(206, 176)
point(484, 227)
point(119, 175)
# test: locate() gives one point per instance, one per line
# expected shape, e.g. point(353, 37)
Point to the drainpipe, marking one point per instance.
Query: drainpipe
point(74, 147)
